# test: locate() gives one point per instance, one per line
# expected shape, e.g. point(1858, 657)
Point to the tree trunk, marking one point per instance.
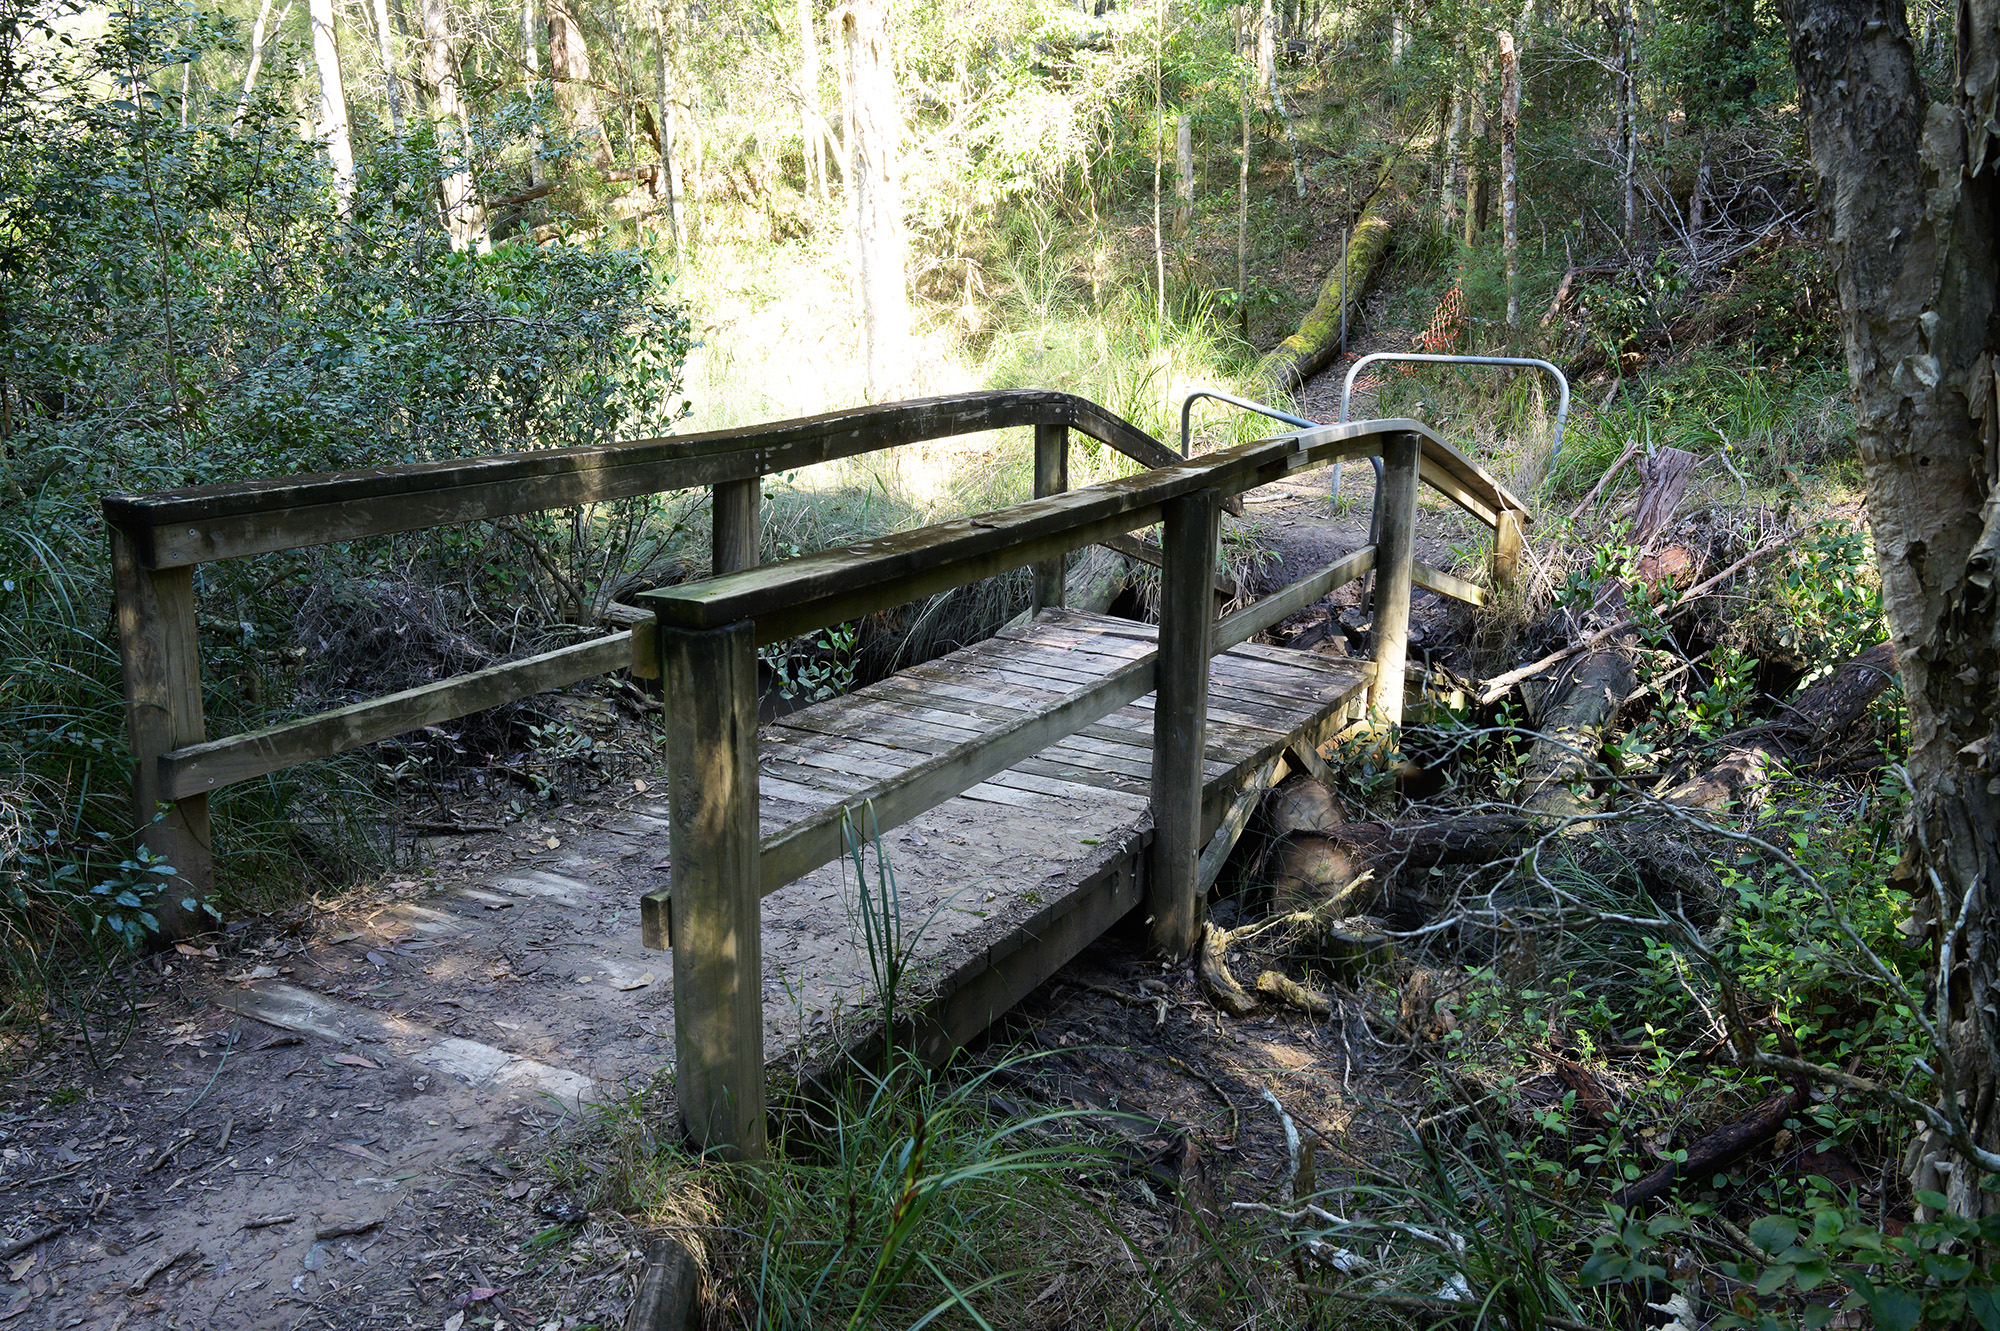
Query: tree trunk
point(531, 66)
point(873, 131)
point(569, 66)
point(332, 124)
point(670, 163)
point(385, 49)
point(1243, 214)
point(1450, 184)
point(464, 220)
point(1510, 119)
point(1159, 151)
point(1910, 198)
point(1183, 173)
point(1475, 192)
point(257, 44)
point(1628, 119)
point(812, 122)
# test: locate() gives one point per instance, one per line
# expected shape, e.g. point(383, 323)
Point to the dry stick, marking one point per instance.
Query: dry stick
point(1499, 684)
point(1631, 451)
point(19, 1246)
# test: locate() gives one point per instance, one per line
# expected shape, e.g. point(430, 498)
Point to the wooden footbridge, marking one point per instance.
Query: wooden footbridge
point(1083, 769)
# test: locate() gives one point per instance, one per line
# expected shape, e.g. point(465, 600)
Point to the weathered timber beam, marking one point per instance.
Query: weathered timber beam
point(180, 528)
point(834, 585)
point(1454, 489)
point(811, 842)
point(1273, 610)
point(202, 768)
point(1446, 584)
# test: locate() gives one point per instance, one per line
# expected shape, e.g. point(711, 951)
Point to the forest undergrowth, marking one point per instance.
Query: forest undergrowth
point(1624, 942)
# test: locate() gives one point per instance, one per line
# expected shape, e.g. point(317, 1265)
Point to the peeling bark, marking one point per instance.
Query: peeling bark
point(1910, 200)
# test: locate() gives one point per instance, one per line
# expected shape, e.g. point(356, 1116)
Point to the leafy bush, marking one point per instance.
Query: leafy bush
point(183, 301)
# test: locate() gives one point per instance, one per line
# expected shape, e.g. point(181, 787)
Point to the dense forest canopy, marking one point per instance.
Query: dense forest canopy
point(264, 238)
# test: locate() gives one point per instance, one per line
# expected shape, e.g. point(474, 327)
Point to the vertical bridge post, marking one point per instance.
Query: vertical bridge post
point(1395, 560)
point(1190, 536)
point(1051, 478)
point(736, 527)
point(711, 721)
point(1507, 543)
point(162, 663)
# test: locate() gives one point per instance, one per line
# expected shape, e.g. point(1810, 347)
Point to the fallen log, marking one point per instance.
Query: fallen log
point(1317, 342)
point(1354, 869)
point(1716, 1149)
point(1826, 708)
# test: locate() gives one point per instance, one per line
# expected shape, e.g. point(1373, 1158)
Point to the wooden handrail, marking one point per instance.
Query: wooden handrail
point(182, 528)
point(835, 585)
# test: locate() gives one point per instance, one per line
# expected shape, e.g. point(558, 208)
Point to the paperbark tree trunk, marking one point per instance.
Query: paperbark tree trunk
point(332, 121)
point(874, 182)
point(1183, 173)
point(1474, 187)
point(464, 220)
point(1450, 184)
point(1510, 119)
point(1910, 200)
point(1243, 213)
point(569, 66)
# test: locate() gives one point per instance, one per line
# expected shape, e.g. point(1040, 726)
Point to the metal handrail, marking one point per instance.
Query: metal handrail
point(1187, 409)
point(1562, 383)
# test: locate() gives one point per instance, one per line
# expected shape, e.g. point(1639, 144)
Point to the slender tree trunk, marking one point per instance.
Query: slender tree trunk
point(670, 166)
point(1450, 185)
point(332, 124)
point(464, 220)
point(1268, 65)
point(1243, 211)
point(1910, 200)
point(257, 44)
point(1698, 206)
point(812, 123)
point(1399, 35)
point(531, 67)
point(1159, 151)
point(1628, 119)
point(385, 48)
point(873, 132)
point(1183, 173)
point(569, 66)
point(1475, 131)
point(1510, 118)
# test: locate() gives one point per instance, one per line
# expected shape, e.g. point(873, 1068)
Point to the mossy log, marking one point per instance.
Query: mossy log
point(1317, 342)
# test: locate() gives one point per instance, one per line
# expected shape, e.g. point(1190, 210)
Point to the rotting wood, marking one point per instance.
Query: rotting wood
point(197, 769)
point(1218, 984)
point(736, 525)
point(1716, 1149)
point(669, 1295)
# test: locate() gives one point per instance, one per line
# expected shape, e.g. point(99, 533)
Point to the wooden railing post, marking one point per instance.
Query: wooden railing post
point(1507, 542)
point(1051, 478)
point(736, 525)
point(1191, 532)
point(1395, 560)
point(162, 661)
point(711, 723)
